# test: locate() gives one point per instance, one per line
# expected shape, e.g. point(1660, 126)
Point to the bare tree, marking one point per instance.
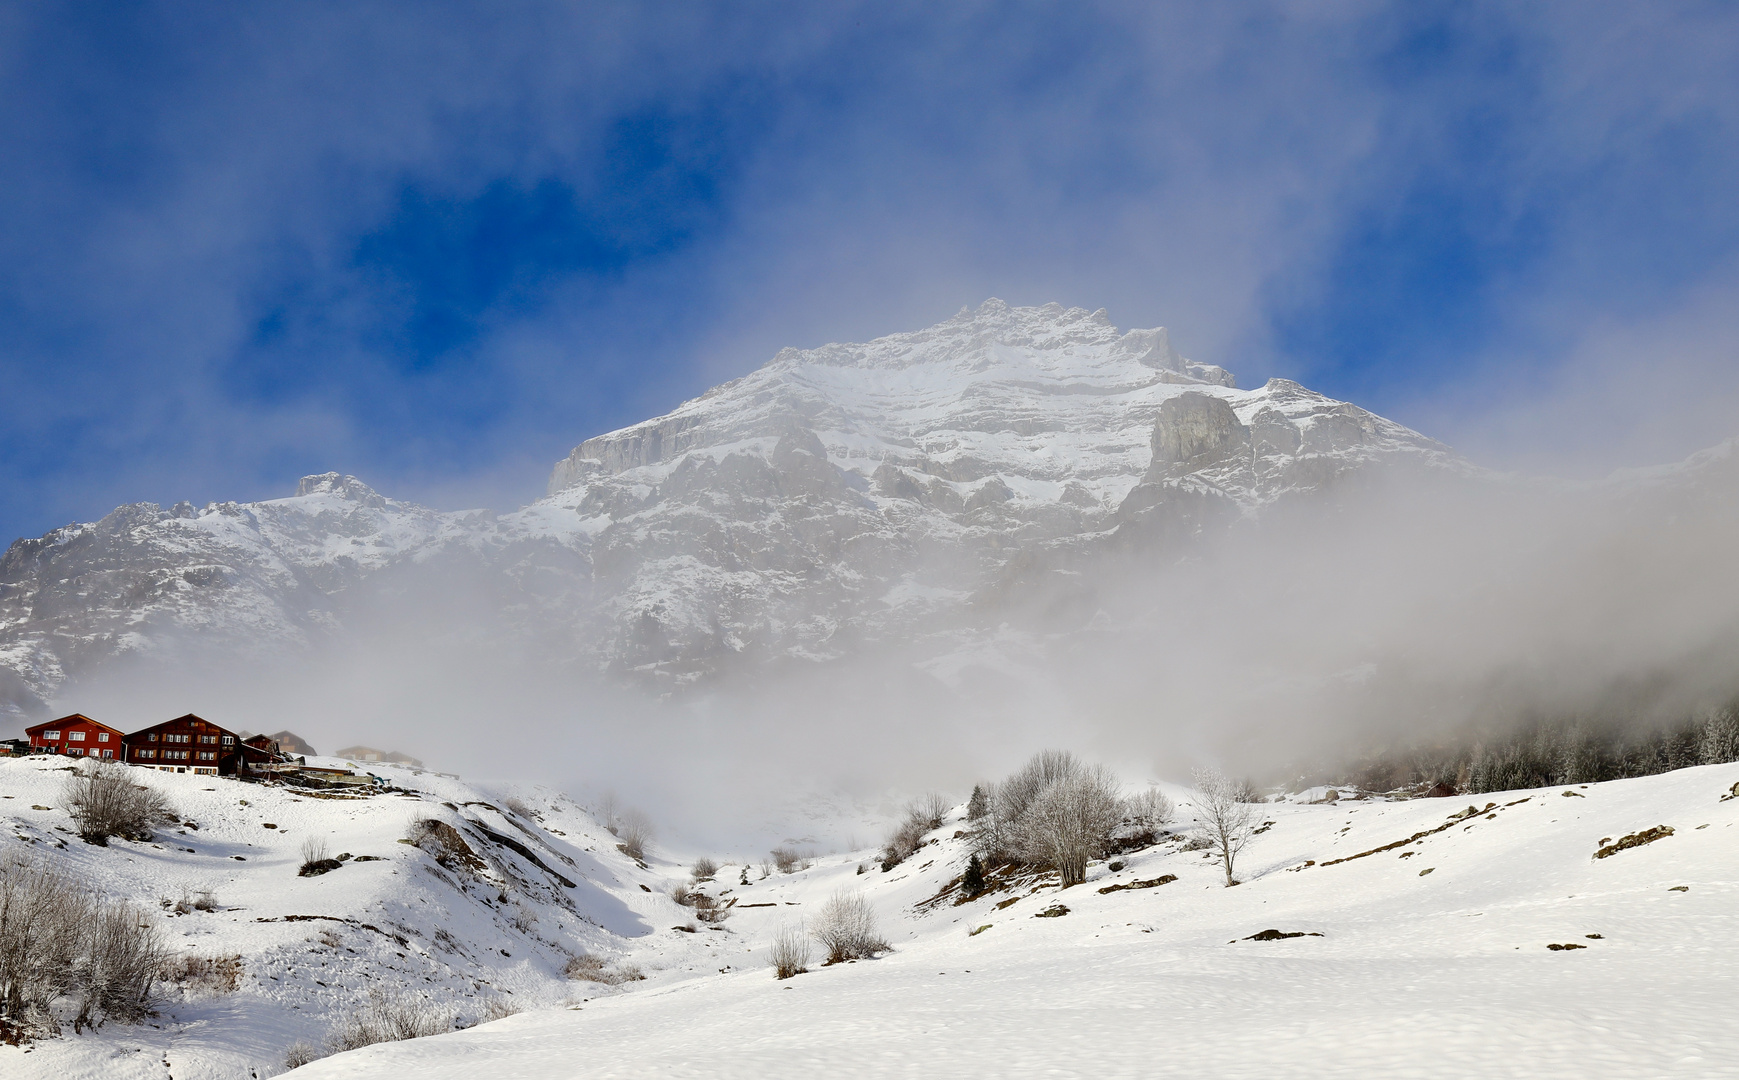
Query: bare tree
point(1226, 819)
point(846, 928)
point(1070, 822)
point(105, 801)
point(789, 953)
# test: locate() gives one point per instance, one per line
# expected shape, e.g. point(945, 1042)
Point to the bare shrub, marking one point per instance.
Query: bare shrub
point(1227, 818)
point(498, 1009)
point(386, 1019)
point(1070, 823)
point(300, 1054)
point(683, 895)
point(58, 942)
point(635, 831)
point(907, 837)
point(997, 835)
point(595, 969)
point(1150, 809)
point(518, 807)
point(123, 955)
point(205, 900)
point(789, 860)
point(846, 928)
point(705, 869)
point(709, 910)
point(789, 952)
point(204, 975)
point(105, 801)
point(932, 808)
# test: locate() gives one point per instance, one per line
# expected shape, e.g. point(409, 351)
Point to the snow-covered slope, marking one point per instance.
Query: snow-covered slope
point(463, 933)
point(836, 497)
point(1421, 943)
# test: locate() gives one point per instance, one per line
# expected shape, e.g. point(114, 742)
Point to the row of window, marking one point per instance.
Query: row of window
point(93, 751)
point(74, 736)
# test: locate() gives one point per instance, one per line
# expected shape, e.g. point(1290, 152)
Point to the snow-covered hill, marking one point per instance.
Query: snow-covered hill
point(491, 925)
point(837, 497)
point(1420, 940)
point(1422, 937)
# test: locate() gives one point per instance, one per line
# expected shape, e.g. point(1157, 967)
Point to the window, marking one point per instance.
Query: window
point(76, 736)
point(102, 736)
point(147, 753)
point(208, 739)
point(208, 755)
point(108, 753)
point(152, 736)
point(229, 740)
point(51, 735)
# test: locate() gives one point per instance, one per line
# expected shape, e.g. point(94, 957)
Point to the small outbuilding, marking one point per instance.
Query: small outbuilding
point(76, 736)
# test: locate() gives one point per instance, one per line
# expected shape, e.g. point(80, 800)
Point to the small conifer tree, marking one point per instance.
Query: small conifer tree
point(979, 803)
point(973, 881)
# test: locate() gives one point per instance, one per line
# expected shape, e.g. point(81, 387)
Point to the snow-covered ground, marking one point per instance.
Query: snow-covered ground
point(1432, 958)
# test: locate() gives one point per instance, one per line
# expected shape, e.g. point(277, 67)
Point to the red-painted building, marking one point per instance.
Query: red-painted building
point(76, 736)
point(186, 744)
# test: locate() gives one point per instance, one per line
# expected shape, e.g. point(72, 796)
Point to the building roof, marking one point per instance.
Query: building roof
point(75, 718)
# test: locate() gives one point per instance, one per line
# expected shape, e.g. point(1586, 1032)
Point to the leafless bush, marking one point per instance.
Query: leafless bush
point(596, 969)
point(1227, 819)
point(208, 975)
point(635, 831)
point(300, 1054)
point(57, 942)
point(1008, 801)
point(316, 858)
point(1150, 809)
point(386, 1019)
point(705, 869)
point(906, 838)
point(498, 1009)
point(105, 801)
point(123, 955)
point(931, 808)
point(789, 860)
point(709, 910)
point(683, 895)
point(789, 953)
point(518, 807)
point(1070, 823)
point(1056, 811)
point(846, 928)
point(202, 900)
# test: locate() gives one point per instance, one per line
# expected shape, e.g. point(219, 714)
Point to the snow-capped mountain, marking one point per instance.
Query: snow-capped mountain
point(835, 497)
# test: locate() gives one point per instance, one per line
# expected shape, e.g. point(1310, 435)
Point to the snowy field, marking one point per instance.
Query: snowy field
point(1432, 958)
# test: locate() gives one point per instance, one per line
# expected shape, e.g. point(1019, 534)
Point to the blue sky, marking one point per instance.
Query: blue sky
point(438, 245)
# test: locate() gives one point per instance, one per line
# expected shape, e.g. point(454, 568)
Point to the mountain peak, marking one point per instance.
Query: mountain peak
point(344, 486)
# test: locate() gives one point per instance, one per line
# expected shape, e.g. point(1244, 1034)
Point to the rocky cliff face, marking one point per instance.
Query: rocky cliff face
point(835, 497)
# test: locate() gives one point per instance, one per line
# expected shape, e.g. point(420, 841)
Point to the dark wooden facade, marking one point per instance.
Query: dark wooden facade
point(76, 736)
point(186, 744)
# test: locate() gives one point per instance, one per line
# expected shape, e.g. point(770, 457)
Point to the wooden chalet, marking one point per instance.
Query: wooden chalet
point(76, 736)
point(188, 744)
